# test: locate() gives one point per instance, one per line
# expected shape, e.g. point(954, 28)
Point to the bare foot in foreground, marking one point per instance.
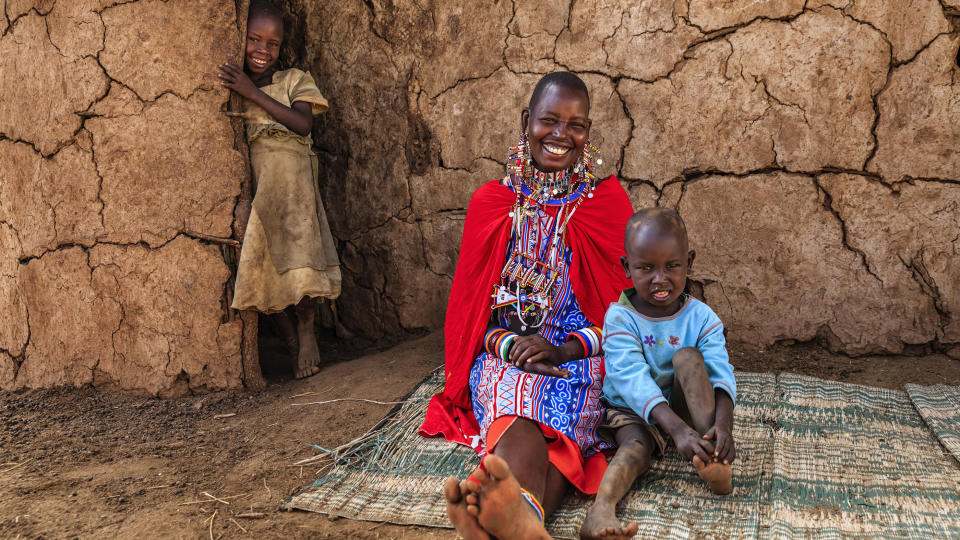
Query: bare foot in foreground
point(602, 524)
point(308, 357)
point(465, 523)
point(717, 475)
point(493, 497)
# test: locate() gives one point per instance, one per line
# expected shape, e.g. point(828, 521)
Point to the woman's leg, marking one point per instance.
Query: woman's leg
point(524, 449)
point(494, 497)
point(308, 357)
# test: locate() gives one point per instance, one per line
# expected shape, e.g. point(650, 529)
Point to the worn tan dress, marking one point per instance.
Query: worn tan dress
point(288, 252)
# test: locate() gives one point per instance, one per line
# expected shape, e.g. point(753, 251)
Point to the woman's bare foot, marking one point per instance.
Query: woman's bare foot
point(308, 357)
point(602, 524)
point(717, 475)
point(465, 523)
point(493, 497)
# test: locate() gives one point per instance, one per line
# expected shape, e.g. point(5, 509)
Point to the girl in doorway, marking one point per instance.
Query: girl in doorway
point(288, 259)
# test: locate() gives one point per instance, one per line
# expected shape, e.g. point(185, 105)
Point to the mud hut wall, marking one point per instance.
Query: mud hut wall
point(810, 146)
point(117, 167)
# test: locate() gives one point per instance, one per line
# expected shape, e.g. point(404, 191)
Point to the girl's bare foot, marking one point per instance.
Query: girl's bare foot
point(717, 475)
point(494, 498)
point(602, 524)
point(308, 357)
point(465, 523)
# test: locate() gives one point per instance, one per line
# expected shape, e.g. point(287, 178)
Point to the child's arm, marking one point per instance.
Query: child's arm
point(298, 117)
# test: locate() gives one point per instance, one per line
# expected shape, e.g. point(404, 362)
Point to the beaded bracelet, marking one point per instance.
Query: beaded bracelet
point(537, 507)
point(498, 342)
point(590, 338)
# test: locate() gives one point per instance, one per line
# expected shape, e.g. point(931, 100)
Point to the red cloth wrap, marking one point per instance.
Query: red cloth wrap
point(595, 234)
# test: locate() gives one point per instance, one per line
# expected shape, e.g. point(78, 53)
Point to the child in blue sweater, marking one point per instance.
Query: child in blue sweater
point(667, 371)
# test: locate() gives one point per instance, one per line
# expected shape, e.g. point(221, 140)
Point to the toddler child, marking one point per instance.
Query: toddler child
point(288, 257)
point(667, 371)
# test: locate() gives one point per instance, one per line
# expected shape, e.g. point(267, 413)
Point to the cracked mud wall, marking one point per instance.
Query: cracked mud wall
point(116, 167)
point(810, 145)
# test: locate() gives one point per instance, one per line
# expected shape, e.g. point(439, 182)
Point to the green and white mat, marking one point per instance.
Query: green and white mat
point(815, 459)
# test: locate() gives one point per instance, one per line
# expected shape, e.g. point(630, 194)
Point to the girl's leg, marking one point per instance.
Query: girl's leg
point(308, 357)
point(634, 450)
point(288, 329)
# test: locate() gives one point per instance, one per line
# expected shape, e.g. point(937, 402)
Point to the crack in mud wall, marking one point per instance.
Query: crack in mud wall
point(810, 145)
point(117, 170)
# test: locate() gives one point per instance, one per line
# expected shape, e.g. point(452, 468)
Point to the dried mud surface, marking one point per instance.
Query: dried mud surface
point(83, 462)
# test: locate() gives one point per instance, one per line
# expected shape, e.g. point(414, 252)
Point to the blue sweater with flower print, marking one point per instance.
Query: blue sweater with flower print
point(638, 353)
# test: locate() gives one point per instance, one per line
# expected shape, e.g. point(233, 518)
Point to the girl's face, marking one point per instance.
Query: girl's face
point(264, 36)
point(557, 127)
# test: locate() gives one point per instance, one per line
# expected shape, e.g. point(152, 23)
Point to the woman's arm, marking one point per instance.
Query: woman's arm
point(298, 118)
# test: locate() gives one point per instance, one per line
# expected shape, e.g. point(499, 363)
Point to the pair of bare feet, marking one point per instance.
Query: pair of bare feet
point(489, 504)
point(602, 523)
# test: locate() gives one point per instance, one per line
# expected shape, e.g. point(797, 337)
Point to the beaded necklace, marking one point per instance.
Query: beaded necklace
point(526, 283)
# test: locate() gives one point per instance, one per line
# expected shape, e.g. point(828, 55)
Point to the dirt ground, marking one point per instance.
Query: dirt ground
point(84, 463)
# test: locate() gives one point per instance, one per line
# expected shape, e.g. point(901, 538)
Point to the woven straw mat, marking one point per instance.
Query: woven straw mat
point(815, 459)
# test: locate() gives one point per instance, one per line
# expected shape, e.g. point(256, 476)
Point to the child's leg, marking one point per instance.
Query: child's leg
point(288, 329)
point(692, 398)
point(635, 448)
point(308, 358)
point(692, 394)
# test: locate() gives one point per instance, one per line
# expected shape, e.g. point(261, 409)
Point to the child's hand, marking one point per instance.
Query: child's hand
point(235, 79)
point(689, 444)
point(724, 450)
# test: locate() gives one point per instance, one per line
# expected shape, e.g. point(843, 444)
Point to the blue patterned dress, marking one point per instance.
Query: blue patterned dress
point(572, 405)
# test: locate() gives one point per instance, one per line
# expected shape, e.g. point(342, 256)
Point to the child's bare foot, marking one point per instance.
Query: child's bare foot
point(717, 475)
point(308, 357)
point(465, 523)
point(602, 524)
point(499, 507)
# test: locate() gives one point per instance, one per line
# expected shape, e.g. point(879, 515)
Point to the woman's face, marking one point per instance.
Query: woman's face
point(557, 127)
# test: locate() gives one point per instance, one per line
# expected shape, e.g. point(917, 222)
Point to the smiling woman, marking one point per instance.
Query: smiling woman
point(523, 375)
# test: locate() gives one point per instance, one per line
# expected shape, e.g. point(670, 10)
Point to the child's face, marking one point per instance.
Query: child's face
point(264, 36)
point(657, 262)
point(557, 128)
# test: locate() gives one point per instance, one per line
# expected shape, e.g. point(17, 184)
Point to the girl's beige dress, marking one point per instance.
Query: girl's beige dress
point(288, 252)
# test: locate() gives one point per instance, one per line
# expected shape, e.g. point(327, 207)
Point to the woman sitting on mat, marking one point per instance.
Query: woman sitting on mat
point(539, 264)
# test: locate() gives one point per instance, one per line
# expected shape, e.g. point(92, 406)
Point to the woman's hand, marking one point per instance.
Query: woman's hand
point(534, 354)
point(235, 79)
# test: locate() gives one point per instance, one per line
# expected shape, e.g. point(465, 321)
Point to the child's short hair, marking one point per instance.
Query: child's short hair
point(657, 216)
point(264, 8)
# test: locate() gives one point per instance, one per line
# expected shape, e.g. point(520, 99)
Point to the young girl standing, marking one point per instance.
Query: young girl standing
point(288, 259)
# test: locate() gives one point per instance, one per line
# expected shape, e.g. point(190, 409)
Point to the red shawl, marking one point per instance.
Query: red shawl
point(595, 234)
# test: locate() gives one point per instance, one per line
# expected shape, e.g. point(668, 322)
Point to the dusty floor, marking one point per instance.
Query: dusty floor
point(83, 463)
